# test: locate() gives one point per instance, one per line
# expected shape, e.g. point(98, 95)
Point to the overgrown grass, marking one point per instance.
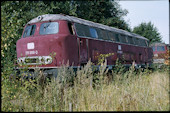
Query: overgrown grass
point(89, 91)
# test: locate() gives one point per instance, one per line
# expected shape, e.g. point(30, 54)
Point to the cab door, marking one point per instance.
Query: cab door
point(146, 55)
point(83, 50)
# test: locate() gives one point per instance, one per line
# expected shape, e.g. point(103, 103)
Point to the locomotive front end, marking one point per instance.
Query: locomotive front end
point(36, 52)
point(42, 44)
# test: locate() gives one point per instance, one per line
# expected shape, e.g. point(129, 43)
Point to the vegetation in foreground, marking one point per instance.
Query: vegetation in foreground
point(132, 90)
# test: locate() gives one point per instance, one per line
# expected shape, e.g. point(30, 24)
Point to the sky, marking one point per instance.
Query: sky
point(156, 11)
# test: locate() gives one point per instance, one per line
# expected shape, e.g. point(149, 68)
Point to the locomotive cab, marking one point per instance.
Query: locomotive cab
point(43, 43)
point(159, 52)
point(41, 40)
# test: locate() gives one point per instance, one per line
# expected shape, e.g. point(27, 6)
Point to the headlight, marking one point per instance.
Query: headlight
point(42, 60)
point(155, 55)
point(48, 60)
point(20, 60)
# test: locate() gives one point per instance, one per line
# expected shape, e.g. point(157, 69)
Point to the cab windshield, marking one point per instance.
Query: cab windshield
point(160, 48)
point(29, 30)
point(49, 28)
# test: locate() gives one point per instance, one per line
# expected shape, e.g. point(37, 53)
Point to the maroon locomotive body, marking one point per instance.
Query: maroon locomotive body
point(160, 52)
point(51, 40)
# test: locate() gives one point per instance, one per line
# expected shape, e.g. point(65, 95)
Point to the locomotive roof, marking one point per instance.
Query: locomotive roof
point(53, 17)
point(157, 44)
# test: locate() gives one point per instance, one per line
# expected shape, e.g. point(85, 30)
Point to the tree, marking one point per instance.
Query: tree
point(106, 12)
point(149, 31)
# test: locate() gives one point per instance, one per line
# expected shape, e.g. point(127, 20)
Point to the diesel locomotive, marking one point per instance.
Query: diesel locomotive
point(51, 40)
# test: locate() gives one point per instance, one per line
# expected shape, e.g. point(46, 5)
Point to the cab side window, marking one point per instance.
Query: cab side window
point(93, 32)
point(82, 30)
point(71, 29)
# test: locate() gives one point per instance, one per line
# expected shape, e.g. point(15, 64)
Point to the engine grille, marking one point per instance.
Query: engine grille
point(32, 60)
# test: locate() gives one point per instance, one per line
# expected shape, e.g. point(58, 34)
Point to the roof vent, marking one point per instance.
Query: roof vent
point(39, 18)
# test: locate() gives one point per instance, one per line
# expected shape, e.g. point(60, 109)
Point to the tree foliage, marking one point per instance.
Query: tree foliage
point(107, 12)
point(15, 15)
point(149, 31)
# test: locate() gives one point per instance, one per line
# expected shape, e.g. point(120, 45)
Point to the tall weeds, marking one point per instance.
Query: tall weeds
point(88, 90)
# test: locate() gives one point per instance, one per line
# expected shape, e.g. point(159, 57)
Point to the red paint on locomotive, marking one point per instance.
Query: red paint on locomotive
point(160, 51)
point(67, 45)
